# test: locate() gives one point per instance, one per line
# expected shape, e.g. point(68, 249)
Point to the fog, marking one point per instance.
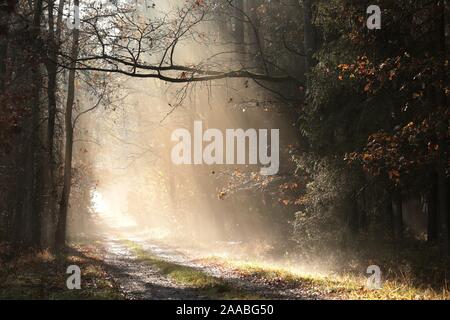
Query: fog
point(137, 191)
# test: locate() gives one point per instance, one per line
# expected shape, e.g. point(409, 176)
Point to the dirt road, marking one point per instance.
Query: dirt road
point(140, 280)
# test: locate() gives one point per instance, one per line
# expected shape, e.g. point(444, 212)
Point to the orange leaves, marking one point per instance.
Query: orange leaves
point(363, 64)
point(345, 69)
point(183, 75)
point(200, 3)
point(351, 157)
point(406, 150)
point(417, 95)
point(284, 202)
point(433, 146)
point(373, 76)
point(289, 192)
point(289, 186)
point(367, 157)
point(301, 201)
point(392, 74)
point(222, 195)
point(344, 66)
point(394, 174)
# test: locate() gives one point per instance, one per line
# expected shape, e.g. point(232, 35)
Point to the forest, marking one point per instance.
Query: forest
point(224, 149)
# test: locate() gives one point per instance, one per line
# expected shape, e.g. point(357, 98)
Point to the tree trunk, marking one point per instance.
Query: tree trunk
point(60, 238)
point(48, 174)
point(239, 24)
point(397, 216)
point(432, 211)
point(3, 48)
point(253, 35)
point(27, 218)
point(309, 37)
point(363, 213)
point(441, 99)
point(53, 43)
point(443, 211)
point(51, 88)
point(353, 217)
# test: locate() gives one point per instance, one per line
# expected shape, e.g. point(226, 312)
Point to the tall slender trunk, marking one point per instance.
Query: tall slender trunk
point(60, 238)
point(239, 27)
point(48, 174)
point(51, 71)
point(309, 36)
point(253, 35)
point(443, 211)
point(53, 44)
point(3, 48)
point(26, 222)
point(432, 210)
point(353, 216)
point(26, 219)
point(397, 215)
point(363, 213)
point(441, 101)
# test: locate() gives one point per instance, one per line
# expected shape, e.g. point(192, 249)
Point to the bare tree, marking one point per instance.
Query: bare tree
point(60, 236)
point(117, 42)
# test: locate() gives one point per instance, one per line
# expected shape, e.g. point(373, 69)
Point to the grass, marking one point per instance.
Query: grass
point(336, 286)
point(343, 285)
point(191, 277)
point(42, 275)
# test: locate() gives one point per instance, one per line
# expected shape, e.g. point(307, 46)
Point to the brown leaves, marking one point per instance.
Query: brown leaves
point(284, 202)
point(200, 3)
point(404, 151)
point(183, 75)
point(373, 77)
point(394, 175)
point(289, 186)
point(222, 195)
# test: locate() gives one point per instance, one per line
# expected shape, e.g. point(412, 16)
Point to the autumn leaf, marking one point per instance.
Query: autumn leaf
point(222, 195)
point(393, 174)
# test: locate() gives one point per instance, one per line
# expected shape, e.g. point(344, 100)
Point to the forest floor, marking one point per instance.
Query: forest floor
point(150, 270)
point(153, 269)
point(126, 265)
point(42, 275)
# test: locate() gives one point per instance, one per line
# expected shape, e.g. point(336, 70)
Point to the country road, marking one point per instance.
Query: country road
point(140, 280)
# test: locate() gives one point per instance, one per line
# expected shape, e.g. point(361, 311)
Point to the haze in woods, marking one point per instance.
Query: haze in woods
point(92, 94)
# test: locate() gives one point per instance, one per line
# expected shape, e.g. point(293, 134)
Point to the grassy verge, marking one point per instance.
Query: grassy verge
point(190, 277)
point(336, 286)
point(42, 275)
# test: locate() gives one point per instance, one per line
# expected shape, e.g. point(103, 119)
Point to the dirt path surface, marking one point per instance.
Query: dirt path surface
point(139, 280)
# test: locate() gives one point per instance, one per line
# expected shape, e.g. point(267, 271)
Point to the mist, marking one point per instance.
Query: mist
point(227, 149)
